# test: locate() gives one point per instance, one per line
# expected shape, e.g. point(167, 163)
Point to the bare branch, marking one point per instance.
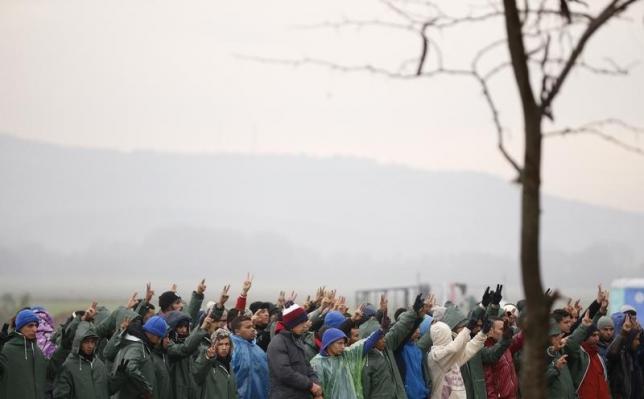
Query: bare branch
point(597, 129)
point(612, 9)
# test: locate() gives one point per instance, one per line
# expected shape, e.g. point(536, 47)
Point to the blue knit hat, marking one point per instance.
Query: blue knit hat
point(25, 317)
point(368, 311)
point(334, 319)
point(156, 326)
point(330, 336)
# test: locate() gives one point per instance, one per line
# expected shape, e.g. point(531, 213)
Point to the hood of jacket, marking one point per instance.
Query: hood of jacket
point(85, 330)
point(453, 317)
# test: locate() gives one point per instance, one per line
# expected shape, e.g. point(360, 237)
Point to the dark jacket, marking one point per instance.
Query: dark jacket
point(291, 374)
point(623, 366)
point(82, 377)
point(380, 375)
point(180, 356)
point(23, 369)
point(214, 378)
point(140, 374)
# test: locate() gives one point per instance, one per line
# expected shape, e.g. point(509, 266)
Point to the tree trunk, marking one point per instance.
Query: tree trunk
point(533, 370)
point(533, 378)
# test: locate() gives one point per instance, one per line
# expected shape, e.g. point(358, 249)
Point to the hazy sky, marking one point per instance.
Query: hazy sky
point(164, 75)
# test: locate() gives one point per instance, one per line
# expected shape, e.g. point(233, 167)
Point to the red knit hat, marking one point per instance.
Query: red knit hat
point(293, 316)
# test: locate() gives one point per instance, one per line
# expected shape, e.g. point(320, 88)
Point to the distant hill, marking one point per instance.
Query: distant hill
point(71, 208)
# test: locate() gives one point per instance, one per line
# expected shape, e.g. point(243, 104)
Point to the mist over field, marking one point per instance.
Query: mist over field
point(84, 222)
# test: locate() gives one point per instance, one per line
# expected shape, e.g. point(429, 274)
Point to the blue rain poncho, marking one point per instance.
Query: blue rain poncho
point(341, 376)
point(250, 366)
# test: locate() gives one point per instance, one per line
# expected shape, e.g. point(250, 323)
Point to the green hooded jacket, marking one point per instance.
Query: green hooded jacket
point(214, 380)
point(472, 372)
point(81, 378)
point(341, 376)
point(23, 369)
point(140, 372)
point(180, 356)
point(380, 376)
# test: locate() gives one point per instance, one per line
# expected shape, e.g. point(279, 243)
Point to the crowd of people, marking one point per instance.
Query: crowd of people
point(315, 350)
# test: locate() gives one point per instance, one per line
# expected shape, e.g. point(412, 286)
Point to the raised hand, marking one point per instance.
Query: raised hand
point(486, 297)
point(173, 287)
point(508, 333)
point(247, 284)
point(561, 362)
point(307, 303)
point(207, 322)
point(131, 302)
point(600, 293)
point(281, 299)
point(211, 351)
point(201, 287)
point(357, 314)
point(587, 321)
point(149, 292)
point(319, 294)
point(384, 302)
point(428, 304)
point(90, 313)
point(628, 324)
point(292, 297)
point(496, 295)
point(418, 303)
point(577, 308)
point(487, 326)
point(223, 297)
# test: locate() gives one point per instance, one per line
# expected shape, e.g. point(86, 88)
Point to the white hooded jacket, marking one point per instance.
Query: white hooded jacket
point(447, 356)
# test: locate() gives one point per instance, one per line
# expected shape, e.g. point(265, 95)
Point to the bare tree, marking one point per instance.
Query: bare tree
point(545, 41)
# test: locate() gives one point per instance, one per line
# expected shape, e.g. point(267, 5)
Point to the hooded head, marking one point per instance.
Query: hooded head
point(179, 323)
point(334, 319)
point(85, 331)
point(330, 336)
point(441, 333)
point(368, 311)
point(454, 318)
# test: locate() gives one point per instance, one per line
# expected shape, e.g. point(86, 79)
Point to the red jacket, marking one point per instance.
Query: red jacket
point(500, 378)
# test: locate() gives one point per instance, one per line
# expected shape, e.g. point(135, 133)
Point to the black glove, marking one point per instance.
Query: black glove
point(508, 333)
point(486, 297)
point(418, 303)
point(472, 324)
point(123, 366)
point(496, 295)
point(487, 326)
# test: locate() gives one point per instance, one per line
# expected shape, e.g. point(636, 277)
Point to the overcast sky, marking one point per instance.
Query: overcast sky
point(166, 75)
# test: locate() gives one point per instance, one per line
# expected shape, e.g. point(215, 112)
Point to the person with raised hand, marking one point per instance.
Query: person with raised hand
point(339, 367)
point(558, 377)
point(381, 377)
point(135, 351)
point(212, 369)
point(448, 354)
point(624, 372)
